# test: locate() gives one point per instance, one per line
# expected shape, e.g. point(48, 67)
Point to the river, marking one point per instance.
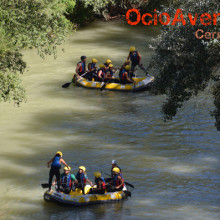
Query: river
point(174, 166)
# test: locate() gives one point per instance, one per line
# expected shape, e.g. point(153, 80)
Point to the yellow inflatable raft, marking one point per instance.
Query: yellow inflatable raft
point(76, 198)
point(141, 84)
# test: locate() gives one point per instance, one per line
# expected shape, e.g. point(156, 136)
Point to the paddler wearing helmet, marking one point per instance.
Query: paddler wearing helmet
point(100, 184)
point(101, 73)
point(55, 168)
point(135, 58)
point(114, 164)
point(117, 180)
point(67, 180)
point(125, 75)
point(92, 69)
point(82, 178)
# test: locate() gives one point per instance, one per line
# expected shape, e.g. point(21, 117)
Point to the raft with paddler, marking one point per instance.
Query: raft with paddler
point(78, 190)
point(105, 76)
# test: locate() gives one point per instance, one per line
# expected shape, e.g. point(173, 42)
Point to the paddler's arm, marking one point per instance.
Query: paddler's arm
point(49, 162)
point(63, 162)
point(126, 74)
point(90, 183)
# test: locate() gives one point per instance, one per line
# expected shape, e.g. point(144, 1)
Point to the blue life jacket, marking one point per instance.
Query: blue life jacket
point(121, 74)
point(81, 177)
point(134, 57)
point(56, 162)
point(67, 182)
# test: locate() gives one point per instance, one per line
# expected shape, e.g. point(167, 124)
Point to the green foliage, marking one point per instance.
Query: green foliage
point(70, 5)
point(37, 24)
point(184, 63)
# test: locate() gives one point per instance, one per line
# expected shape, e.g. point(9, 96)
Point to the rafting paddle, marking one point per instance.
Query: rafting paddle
point(66, 85)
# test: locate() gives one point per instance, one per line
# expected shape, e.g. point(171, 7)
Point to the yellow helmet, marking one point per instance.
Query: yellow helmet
point(97, 174)
point(94, 60)
point(101, 65)
point(82, 168)
point(127, 67)
point(132, 49)
point(110, 65)
point(127, 61)
point(67, 168)
point(116, 169)
point(108, 61)
point(60, 153)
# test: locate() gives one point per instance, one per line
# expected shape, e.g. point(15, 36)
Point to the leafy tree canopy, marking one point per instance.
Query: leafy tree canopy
point(185, 64)
point(37, 24)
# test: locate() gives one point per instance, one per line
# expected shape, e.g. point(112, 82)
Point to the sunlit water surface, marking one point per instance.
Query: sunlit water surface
point(174, 166)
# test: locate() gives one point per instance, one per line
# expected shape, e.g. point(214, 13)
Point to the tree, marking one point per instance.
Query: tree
point(185, 64)
point(37, 24)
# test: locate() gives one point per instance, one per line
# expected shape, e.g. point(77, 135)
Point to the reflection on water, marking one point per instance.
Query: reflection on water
point(173, 166)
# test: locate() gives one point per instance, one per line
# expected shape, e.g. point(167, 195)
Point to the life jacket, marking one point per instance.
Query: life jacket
point(134, 57)
point(111, 72)
point(82, 68)
point(103, 72)
point(116, 181)
point(81, 177)
point(103, 182)
point(67, 182)
point(121, 74)
point(56, 162)
point(92, 67)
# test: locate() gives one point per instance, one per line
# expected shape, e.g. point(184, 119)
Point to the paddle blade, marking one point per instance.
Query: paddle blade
point(66, 85)
point(128, 193)
point(45, 185)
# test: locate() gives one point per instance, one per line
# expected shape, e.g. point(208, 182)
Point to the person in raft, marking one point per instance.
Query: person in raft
point(101, 73)
point(55, 168)
point(67, 181)
point(114, 164)
point(92, 69)
point(135, 58)
point(100, 184)
point(125, 75)
point(82, 179)
point(81, 67)
point(117, 181)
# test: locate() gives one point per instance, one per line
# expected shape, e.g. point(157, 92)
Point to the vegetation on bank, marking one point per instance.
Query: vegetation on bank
point(185, 65)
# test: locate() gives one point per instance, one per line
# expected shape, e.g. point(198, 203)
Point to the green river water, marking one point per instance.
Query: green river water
point(174, 166)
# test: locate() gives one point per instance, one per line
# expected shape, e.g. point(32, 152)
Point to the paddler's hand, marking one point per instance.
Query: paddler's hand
point(117, 187)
